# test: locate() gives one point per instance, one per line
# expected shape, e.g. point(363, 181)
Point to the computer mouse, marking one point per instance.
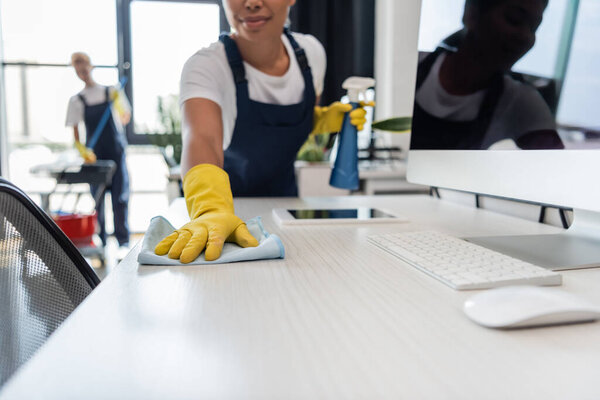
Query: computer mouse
point(528, 306)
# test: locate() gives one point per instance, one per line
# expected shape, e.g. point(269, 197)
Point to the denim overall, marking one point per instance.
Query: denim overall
point(433, 133)
point(266, 137)
point(110, 146)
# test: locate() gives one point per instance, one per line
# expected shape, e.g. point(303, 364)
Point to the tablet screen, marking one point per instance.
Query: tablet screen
point(348, 213)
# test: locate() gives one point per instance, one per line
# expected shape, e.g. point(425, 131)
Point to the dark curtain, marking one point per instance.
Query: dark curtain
point(346, 28)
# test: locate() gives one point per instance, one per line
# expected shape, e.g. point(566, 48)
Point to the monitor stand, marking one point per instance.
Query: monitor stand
point(578, 247)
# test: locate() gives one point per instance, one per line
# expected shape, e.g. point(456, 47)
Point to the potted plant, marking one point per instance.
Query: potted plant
point(392, 125)
point(168, 138)
point(315, 149)
point(395, 125)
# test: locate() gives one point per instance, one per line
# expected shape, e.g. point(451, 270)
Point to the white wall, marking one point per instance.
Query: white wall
point(396, 38)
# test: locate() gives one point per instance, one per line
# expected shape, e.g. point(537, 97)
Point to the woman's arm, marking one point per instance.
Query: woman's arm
point(546, 139)
point(76, 133)
point(202, 134)
point(206, 188)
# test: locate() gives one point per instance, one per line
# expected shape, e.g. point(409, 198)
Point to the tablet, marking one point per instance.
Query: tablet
point(285, 216)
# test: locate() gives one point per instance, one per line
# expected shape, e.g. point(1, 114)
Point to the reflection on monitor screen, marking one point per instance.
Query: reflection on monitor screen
point(469, 95)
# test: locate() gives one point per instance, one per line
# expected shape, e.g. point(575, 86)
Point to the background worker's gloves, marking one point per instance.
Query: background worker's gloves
point(330, 119)
point(117, 101)
point(86, 153)
point(213, 222)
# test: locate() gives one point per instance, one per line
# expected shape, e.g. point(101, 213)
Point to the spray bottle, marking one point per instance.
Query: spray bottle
point(345, 170)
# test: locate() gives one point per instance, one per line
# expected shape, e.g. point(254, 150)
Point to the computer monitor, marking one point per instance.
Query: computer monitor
point(496, 115)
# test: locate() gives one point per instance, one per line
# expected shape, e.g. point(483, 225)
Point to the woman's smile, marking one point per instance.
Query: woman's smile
point(255, 21)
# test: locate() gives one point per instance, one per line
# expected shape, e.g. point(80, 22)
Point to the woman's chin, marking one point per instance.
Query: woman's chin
point(257, 34)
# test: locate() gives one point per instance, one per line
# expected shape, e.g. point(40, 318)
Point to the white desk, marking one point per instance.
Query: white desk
point(338, 318)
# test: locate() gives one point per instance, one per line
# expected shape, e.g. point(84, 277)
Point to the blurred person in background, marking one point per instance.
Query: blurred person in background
point(105, 139)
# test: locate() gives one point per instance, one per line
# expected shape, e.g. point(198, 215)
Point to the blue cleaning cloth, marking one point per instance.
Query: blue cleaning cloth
point(269, 246)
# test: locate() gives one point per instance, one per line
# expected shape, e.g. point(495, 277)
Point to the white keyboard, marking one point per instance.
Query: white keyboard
point(460, 264)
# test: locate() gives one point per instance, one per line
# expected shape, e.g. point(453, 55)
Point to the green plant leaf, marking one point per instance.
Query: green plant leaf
point(400, 124)
point(311, 151)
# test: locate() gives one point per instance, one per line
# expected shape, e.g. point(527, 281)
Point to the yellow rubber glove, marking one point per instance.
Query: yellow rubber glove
point(115, 96)
point(213, 222)
point(358, 116)
point(330, 119)
point(119, 106)
point(86, 153)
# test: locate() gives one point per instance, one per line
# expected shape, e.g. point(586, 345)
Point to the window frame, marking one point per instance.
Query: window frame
point(124, 48)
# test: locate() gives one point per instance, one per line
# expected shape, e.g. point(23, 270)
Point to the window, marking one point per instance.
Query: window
point(49, 31)
point(156, 38)
point(37, 99)
point(38, 39)
point(163, 36)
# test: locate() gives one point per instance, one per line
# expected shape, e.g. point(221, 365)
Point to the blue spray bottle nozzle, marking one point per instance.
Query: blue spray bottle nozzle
point(345, 170)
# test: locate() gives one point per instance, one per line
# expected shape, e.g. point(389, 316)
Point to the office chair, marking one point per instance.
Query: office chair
point(43, 278)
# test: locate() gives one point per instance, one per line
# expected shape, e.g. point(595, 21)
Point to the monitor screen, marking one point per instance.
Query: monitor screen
point(506, 75)
point(507, 100)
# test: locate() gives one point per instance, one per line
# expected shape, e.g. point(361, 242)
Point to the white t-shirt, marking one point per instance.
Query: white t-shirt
point(94, 95)
point(521, 108)
point(207, 75)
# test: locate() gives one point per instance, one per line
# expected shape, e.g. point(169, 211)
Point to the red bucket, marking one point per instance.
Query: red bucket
point(80, 228)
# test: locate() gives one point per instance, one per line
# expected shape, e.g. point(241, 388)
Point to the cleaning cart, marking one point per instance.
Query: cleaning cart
point(79, 227)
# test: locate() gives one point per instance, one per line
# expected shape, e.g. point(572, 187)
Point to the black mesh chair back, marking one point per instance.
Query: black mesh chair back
point(43, 277)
